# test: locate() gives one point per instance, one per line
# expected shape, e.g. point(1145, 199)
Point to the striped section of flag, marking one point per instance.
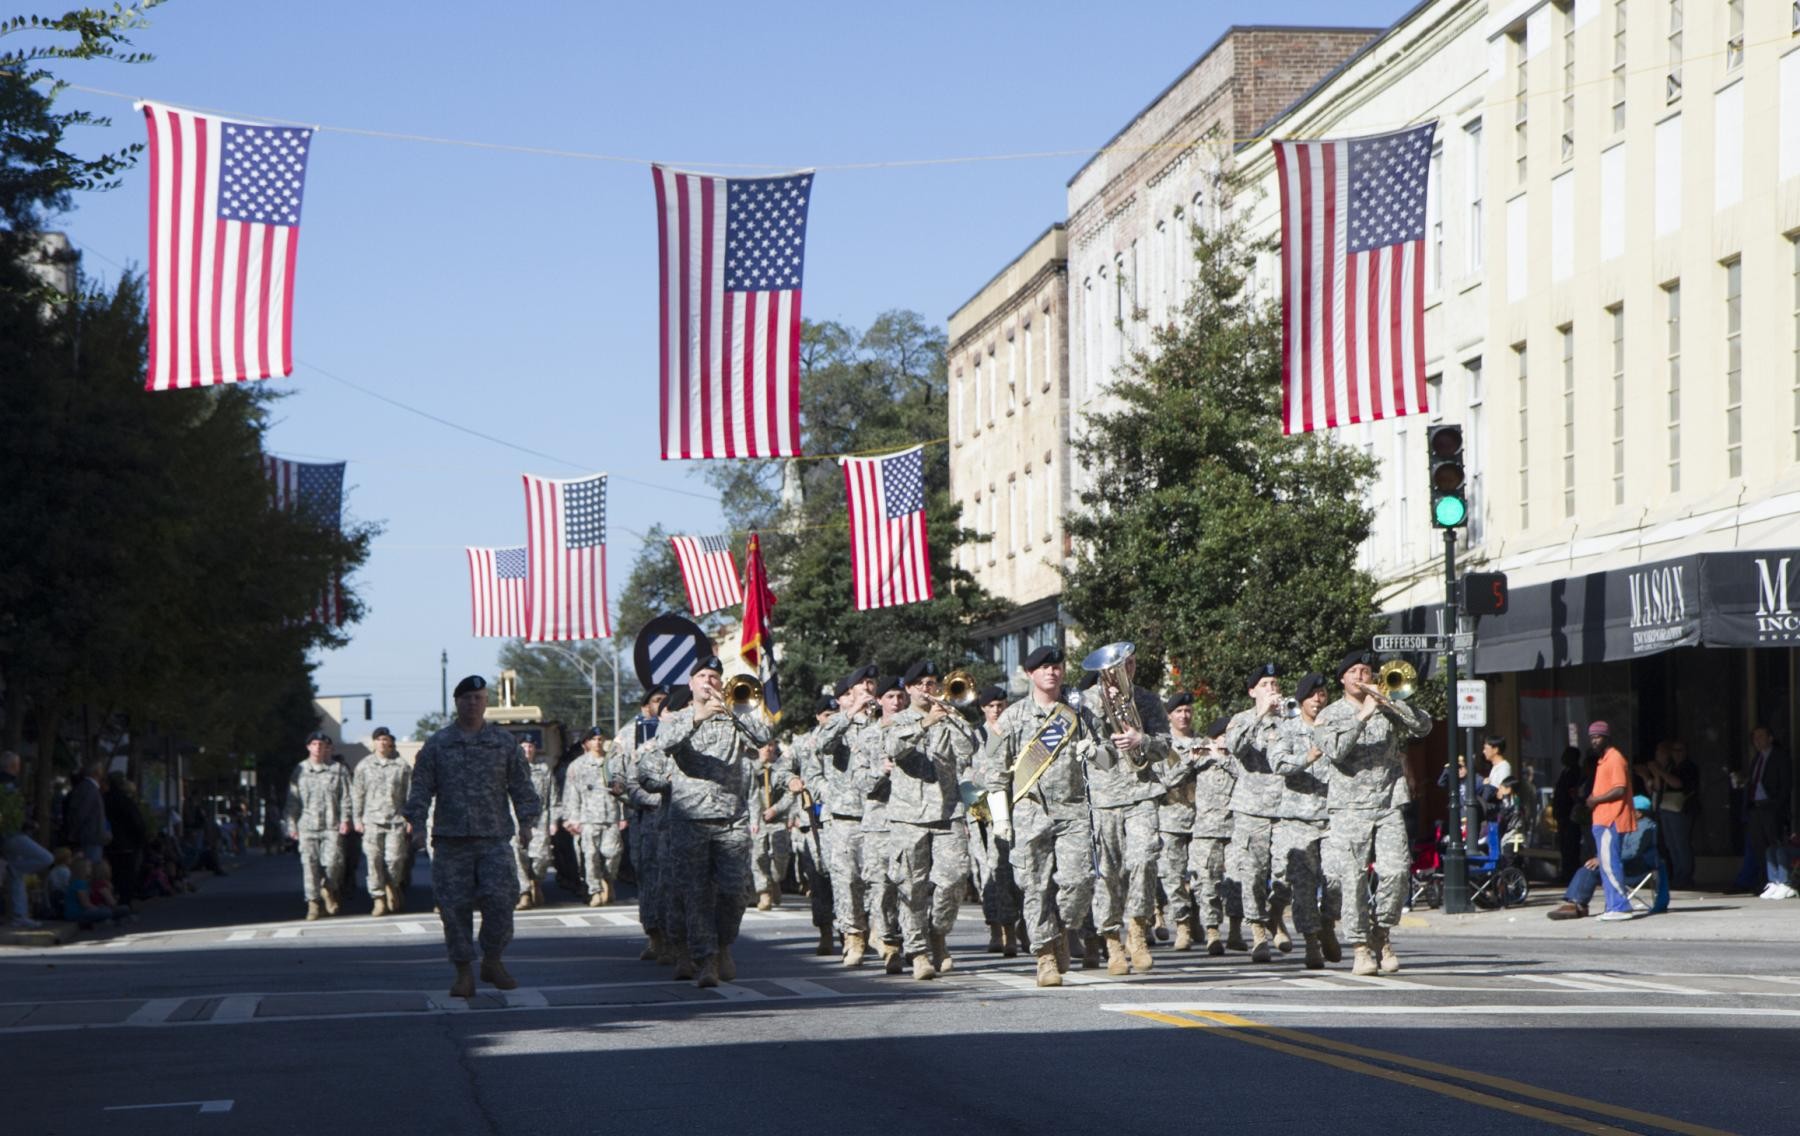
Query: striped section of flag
point(707, 572)
point(890, 562)
point(565, 571)
point(731, 260)
point(315, 490)
point(497, 592)
point(224, 234)
point(1353, 278)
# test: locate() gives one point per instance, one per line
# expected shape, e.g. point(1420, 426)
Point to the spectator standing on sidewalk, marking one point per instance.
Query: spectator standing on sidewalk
point(23, 856)
point(84, 813)
point(1673, 781)
point(129, 837)
point(1768, 792)
point(1610, 804)
point(1565, 799)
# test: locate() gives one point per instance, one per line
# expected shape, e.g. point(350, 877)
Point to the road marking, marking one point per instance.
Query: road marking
point(237, 1008)
point(1638, 984)
point(240, 936)
point(203, 1106)
point(1343, 1055)
point(571, 921)
point(1324, 1009)
point(524, 998)
point(286, 933)
point(732, 992)
point(443, 1003)
point(155, 1012)
point(1583, 983)
point(618, 919)
point(412, 928)
point(806, 988)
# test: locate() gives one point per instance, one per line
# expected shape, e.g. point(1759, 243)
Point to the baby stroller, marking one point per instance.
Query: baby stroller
point(1495, 877)
point(1426, 888)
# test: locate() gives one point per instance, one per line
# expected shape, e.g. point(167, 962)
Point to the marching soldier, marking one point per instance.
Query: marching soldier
point(378, 792)
point(1125, 800)
point(1361, 735)
point(655, 907)
point(771, 847)
point(1300, 827)
point(701, 765)
point(475, 776)
point(595, 816)
point(534, 861)
point(1175, 817)
point(814, 844)
point(1254, 739)
point(835, 744)
point(1040, 749)
point(881, 888)
point(624, 751)
point(999, 891)
point(1216, 895)
point(318, 813)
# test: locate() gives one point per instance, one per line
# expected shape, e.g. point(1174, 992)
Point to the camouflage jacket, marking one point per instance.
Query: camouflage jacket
point(543, 782)
point(1062, 790)
point(1122, 785)
point(472, 784)
point(702, 769)
point(319, 797)
point(1255, 741)
point(1368, 765)
point(378, 790)
point(835, 751)
point(587, 794)
point(1303, 796)
point(925, 785)
point(1175, 814)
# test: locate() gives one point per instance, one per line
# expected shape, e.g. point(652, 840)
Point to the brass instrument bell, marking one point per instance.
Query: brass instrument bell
point(743, 692)
point(1397, 680)
point(959, 688)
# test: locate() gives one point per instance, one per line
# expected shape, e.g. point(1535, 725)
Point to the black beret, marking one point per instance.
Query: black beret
point(592, 732)
point(710, 663)
point(1217, 727)
point(825, 705)
point(1042, 657)
point(889, 685)
point(1260, 672)
point(1310, 682)
point(318, 736)
point(923, 669)
point(381, 732)
point(473, 682)
point(1182, 698)
point(656, 688)
point(990, 694)
point(1367, 658)
point(679, 699)
point(858, 675)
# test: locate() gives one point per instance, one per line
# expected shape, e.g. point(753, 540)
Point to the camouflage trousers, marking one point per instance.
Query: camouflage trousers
point(321, 862)
point(387, 847)
point(601, 847)
point(534, 861)
point(848, 890)
point(771, 847)
point(1053, 860)
point(1216, 895)
point(1298, 869)
point(1172, 870)
point(1000, 900)
point(815, 869)
point(1358, 838)
point(1251, 866)
point(470, 873)
point(881, 894)
point(1128, 844)
point(645, 836)
point(707, 873)
point(930, 866)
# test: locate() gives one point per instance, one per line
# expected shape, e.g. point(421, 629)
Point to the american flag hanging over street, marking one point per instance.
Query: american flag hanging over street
point(1353, 278)
point(732, 257)
point(497, 592)
point(889, 559)
point(224, 233)
point(315, 490)
point(707, 572)
point(565, 573)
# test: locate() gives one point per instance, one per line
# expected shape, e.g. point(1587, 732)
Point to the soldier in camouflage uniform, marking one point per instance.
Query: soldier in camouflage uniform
point(1053, 856)
point(1361, 734)
point(595, 816)
point(1254, 739)
point(1175, 817)
point(624, 761)
point(378, 792)
point(835, 744)
point(812, 834)
point(1216, 895)
point(476, 777)
point(1000, 900)
point(1125, 828)
point(656, 909)
point(881, 889)
point(702, 766)
point(534, 862)
point(1300, 827)
point(771, 844)
point(319, 813)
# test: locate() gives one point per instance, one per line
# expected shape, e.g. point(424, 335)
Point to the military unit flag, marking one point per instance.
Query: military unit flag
point(707, 572)
point(890, 563)
point(565, 570)
point(497, 592)
point(756, 643)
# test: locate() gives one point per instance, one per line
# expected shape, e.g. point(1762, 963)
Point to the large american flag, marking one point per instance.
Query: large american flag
point(497, 592)
point(732, 256)
point(1353, 278)
point(224, 232)
point(565, 571)
point(707, 572)
point(315, 490)
point(889, 560)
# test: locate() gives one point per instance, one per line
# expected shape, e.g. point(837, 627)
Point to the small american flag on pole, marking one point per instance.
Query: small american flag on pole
point(565, 571)
point(315, 490)
point(224, 234)
point(732, 254)
point(707, 572)
point(889, 560)
point(1353, 278)
point(497, 592)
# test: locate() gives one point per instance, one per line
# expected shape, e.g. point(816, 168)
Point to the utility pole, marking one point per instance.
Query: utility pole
point(1449, 512)
point(444, 683)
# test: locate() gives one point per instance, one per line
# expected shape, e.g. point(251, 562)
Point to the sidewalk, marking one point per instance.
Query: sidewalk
point(246, 889)
point(1692, 916)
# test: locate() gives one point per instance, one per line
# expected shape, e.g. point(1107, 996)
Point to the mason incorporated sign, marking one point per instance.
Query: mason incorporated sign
point(1659, 607)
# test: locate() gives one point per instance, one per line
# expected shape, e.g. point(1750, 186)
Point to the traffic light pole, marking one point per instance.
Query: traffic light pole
point(1456, 857)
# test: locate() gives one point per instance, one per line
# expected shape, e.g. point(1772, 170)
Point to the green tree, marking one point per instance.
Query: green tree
point(429, 725)
point(551, 681)
point(1207, 536)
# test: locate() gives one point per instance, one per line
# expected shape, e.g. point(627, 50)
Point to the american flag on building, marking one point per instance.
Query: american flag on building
point(732, 254)
point(497, 592)
point(1353, 278)
point(707, 572)
point(315, 490)
point(890, 562)
point(224, 234)
point(565, 570)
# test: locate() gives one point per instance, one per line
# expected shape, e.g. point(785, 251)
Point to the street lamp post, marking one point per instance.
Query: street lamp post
point(593, 676)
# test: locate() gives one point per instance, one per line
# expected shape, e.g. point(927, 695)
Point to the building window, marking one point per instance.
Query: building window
point(1402, 515)
point(1523, 362)
point(975, 384)
point(1521, 108)
point(1030, 512)
point(1568, 83)
point(1672, 84)
point(1012, 516)
point(1617, 311)
point(1119, 311)
point(1795, 242)
point(1050, 517)
point(1475, 166)
point(1477, 451)
point(1567, 332)
point(992, 528)
point(1137, 295)
point(1012, 374)
point(1672, 321)
point(1025, 379)
point(1434, 220)
point(1734, 368)
point(961, 394)
point(1049, 347)
point(993, 370)
point(1618, 65)
point(1734, 34)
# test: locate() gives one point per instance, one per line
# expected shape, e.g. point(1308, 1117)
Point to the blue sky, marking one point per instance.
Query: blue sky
point(515, 293)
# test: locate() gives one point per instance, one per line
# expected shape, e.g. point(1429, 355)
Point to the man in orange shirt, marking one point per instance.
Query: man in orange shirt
point(1610, 803)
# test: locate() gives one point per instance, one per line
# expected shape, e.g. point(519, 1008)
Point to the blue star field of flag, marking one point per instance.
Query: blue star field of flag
point(1387, 188)
point(509, 563)
point(765, 235)
point(319, 493)
point(903, 483)
point(584, 513)
point(262, 171)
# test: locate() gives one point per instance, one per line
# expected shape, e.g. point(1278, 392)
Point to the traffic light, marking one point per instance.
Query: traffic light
point(1484, 593)
point(1449, 493)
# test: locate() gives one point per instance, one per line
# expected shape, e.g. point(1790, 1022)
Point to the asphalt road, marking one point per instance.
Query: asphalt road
point(223, 1013)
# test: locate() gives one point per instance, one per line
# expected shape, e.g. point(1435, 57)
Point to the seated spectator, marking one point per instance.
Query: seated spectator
point(78, 901)
point(57, 882)
point(20, 855)
point(1638, 857)
point(100, 889)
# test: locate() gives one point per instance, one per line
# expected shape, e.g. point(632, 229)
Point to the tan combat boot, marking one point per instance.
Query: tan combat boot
point(1364, 963)
point(996, 939)
point(463, 986)
point(1137, 946)
point(1116, 962)
point(1009, 942)
point(606, 892)
point(725, 964)
point(665, 951)
point(856, 945)
point(922, 968)
point(1328, 941)
point(594, 899)
point(706, 976)
point(1260, 946)
point(1215, 946)
point(1388, 960)
point(312, 910)
point(537, 893)
point(524, 903)
point(1234, 937)
point(1184, 936)
point(1278, 932)
point(940, 954)
point(380, 908)
point(1048, 973)
point(684, 965)
point(1060, 949)
point(395, 898)
point(493, 972)
point(652, 947)
point(762, 901)
point(1315, 957)
point(775, 898)
point(331, 900)
point(827, 943)
point(893, 958)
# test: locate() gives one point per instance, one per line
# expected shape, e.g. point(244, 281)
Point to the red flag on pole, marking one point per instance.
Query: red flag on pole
point(757, 646)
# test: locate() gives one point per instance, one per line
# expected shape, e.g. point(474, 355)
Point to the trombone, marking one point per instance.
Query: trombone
point(743, 695)
point(959, 692)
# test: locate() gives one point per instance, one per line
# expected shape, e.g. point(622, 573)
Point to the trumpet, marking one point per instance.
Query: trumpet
point(743, 692)
point(959, 688)
point(1397, 680)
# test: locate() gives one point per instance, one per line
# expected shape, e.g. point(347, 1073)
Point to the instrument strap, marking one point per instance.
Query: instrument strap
point(1046, 746)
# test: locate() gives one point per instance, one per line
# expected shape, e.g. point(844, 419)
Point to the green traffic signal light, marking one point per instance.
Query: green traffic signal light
point(1449, 512)
point(1449, 489)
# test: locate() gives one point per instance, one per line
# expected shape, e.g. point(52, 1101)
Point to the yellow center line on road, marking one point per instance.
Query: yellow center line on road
point(1345, 1056)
